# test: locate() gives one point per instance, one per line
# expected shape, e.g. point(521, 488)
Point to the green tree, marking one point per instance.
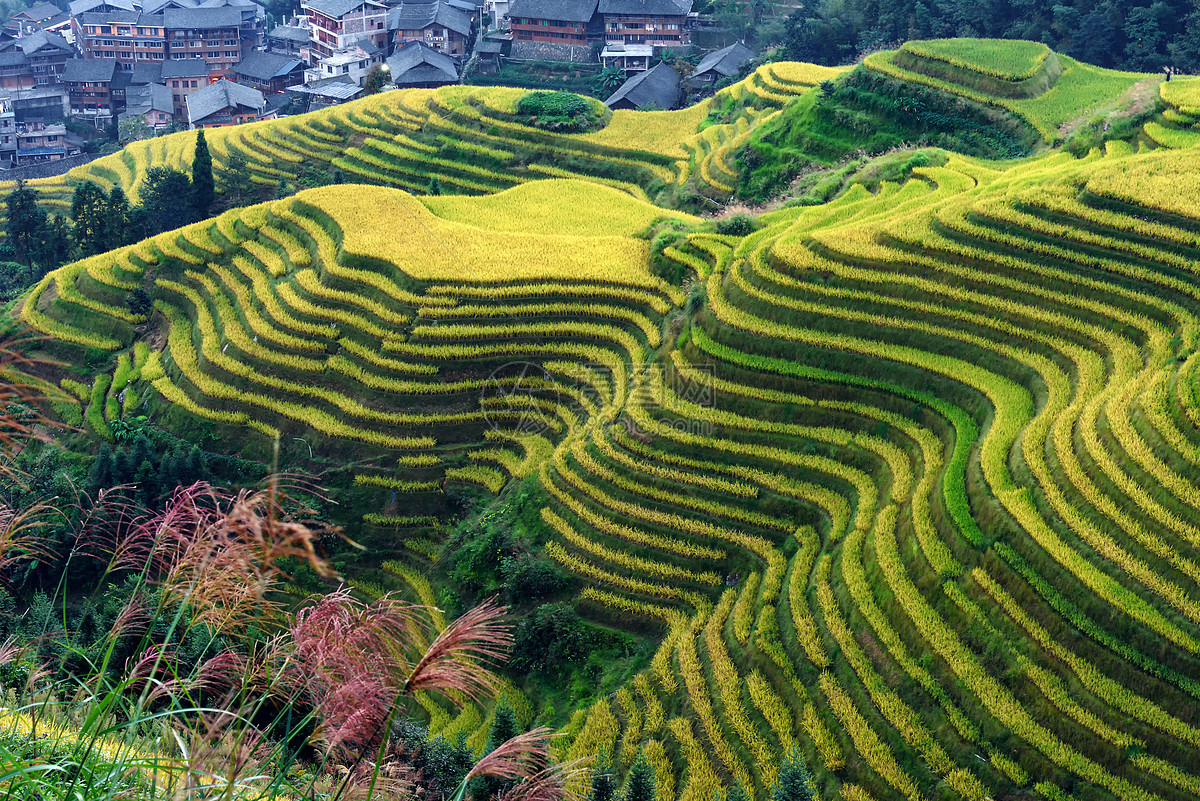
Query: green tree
point(641, 784)
point(54, 243)
point(604, 783)
point(133, 129)
point(166, 200)
point(25, 221)
point(608, 80)
point(435, 186)
point(89, 212)
point(375, 79)
point(237, 177)
point(793, 782)
point(1146, 40)
point(282, 189)
point(103, 470)
point(122, 229)
point(204, 190)
point(504, 727)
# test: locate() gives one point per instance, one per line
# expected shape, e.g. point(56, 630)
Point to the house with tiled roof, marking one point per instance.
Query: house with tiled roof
point(560, 29)
point(224, 103)
point(270, 72)
point(38, 17)
point(661, 23)
point(440, 25)
point(96, 87)
point(418, 66)
point(656, 88)
point(719, 64)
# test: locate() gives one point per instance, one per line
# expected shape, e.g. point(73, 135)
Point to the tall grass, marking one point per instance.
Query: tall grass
point(208, 685)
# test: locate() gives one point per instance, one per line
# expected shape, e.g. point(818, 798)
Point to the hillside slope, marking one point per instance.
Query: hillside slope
point(906, 479)
point(932, 431)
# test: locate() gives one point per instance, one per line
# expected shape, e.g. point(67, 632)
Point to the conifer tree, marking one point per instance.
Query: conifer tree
point(89, 211)
point(103, 471)
point(641, 784)
point(793, 783)
point(204, 190)
point(604, 785)
point(504, 727)
point(121, 229)
point(26, 221)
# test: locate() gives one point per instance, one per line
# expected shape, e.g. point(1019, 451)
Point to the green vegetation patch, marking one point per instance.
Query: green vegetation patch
point(557, 111)
point(866, 114)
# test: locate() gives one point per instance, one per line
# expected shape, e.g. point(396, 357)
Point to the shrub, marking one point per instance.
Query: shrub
point(737, 225)
point(558, 111)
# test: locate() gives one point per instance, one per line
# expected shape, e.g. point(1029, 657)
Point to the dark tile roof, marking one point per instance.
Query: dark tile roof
point(725, 61)
point(156, 6)
point(145, 72)
point(666, 8)
point(657, 86)
point(226, 17)
point(150, 97)
point(335, 8)
point(40, 24)
point(289, 33)
point(185, 68)
point(419, 16)
point(79, 70)
point(416, 63)
point(567, 10)
point(129, 17)
point(39, 12)
point(36, 41)
point(219, 96)
point(83, 6)
point(13, 57)
point(265, 66)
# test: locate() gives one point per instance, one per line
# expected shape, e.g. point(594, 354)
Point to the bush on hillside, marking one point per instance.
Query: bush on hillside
point(555, 111)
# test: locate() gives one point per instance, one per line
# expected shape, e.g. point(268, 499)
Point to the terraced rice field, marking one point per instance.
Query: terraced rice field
point(1070, 92)
point(911, 483)
point(467, 138)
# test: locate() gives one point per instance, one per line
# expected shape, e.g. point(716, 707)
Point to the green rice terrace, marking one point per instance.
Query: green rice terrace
point(902, 473)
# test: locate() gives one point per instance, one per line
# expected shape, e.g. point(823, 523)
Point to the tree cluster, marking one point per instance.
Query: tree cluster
point(1123, 34)
point(39, 242)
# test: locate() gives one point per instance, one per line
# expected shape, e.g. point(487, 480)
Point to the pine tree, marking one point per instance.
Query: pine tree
point(604, 784)
point(640, 785)
point(793, 783)
point(237, 176)
point(120, 220)
point(89, 211)
point(504, 725)
point(204, 190)
point(103, 471)
point(197, 465)
point(435, 186)
point(146, 479)
point(53, 243)
point(282, 190)
point(504, 728)
point(25, 222)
